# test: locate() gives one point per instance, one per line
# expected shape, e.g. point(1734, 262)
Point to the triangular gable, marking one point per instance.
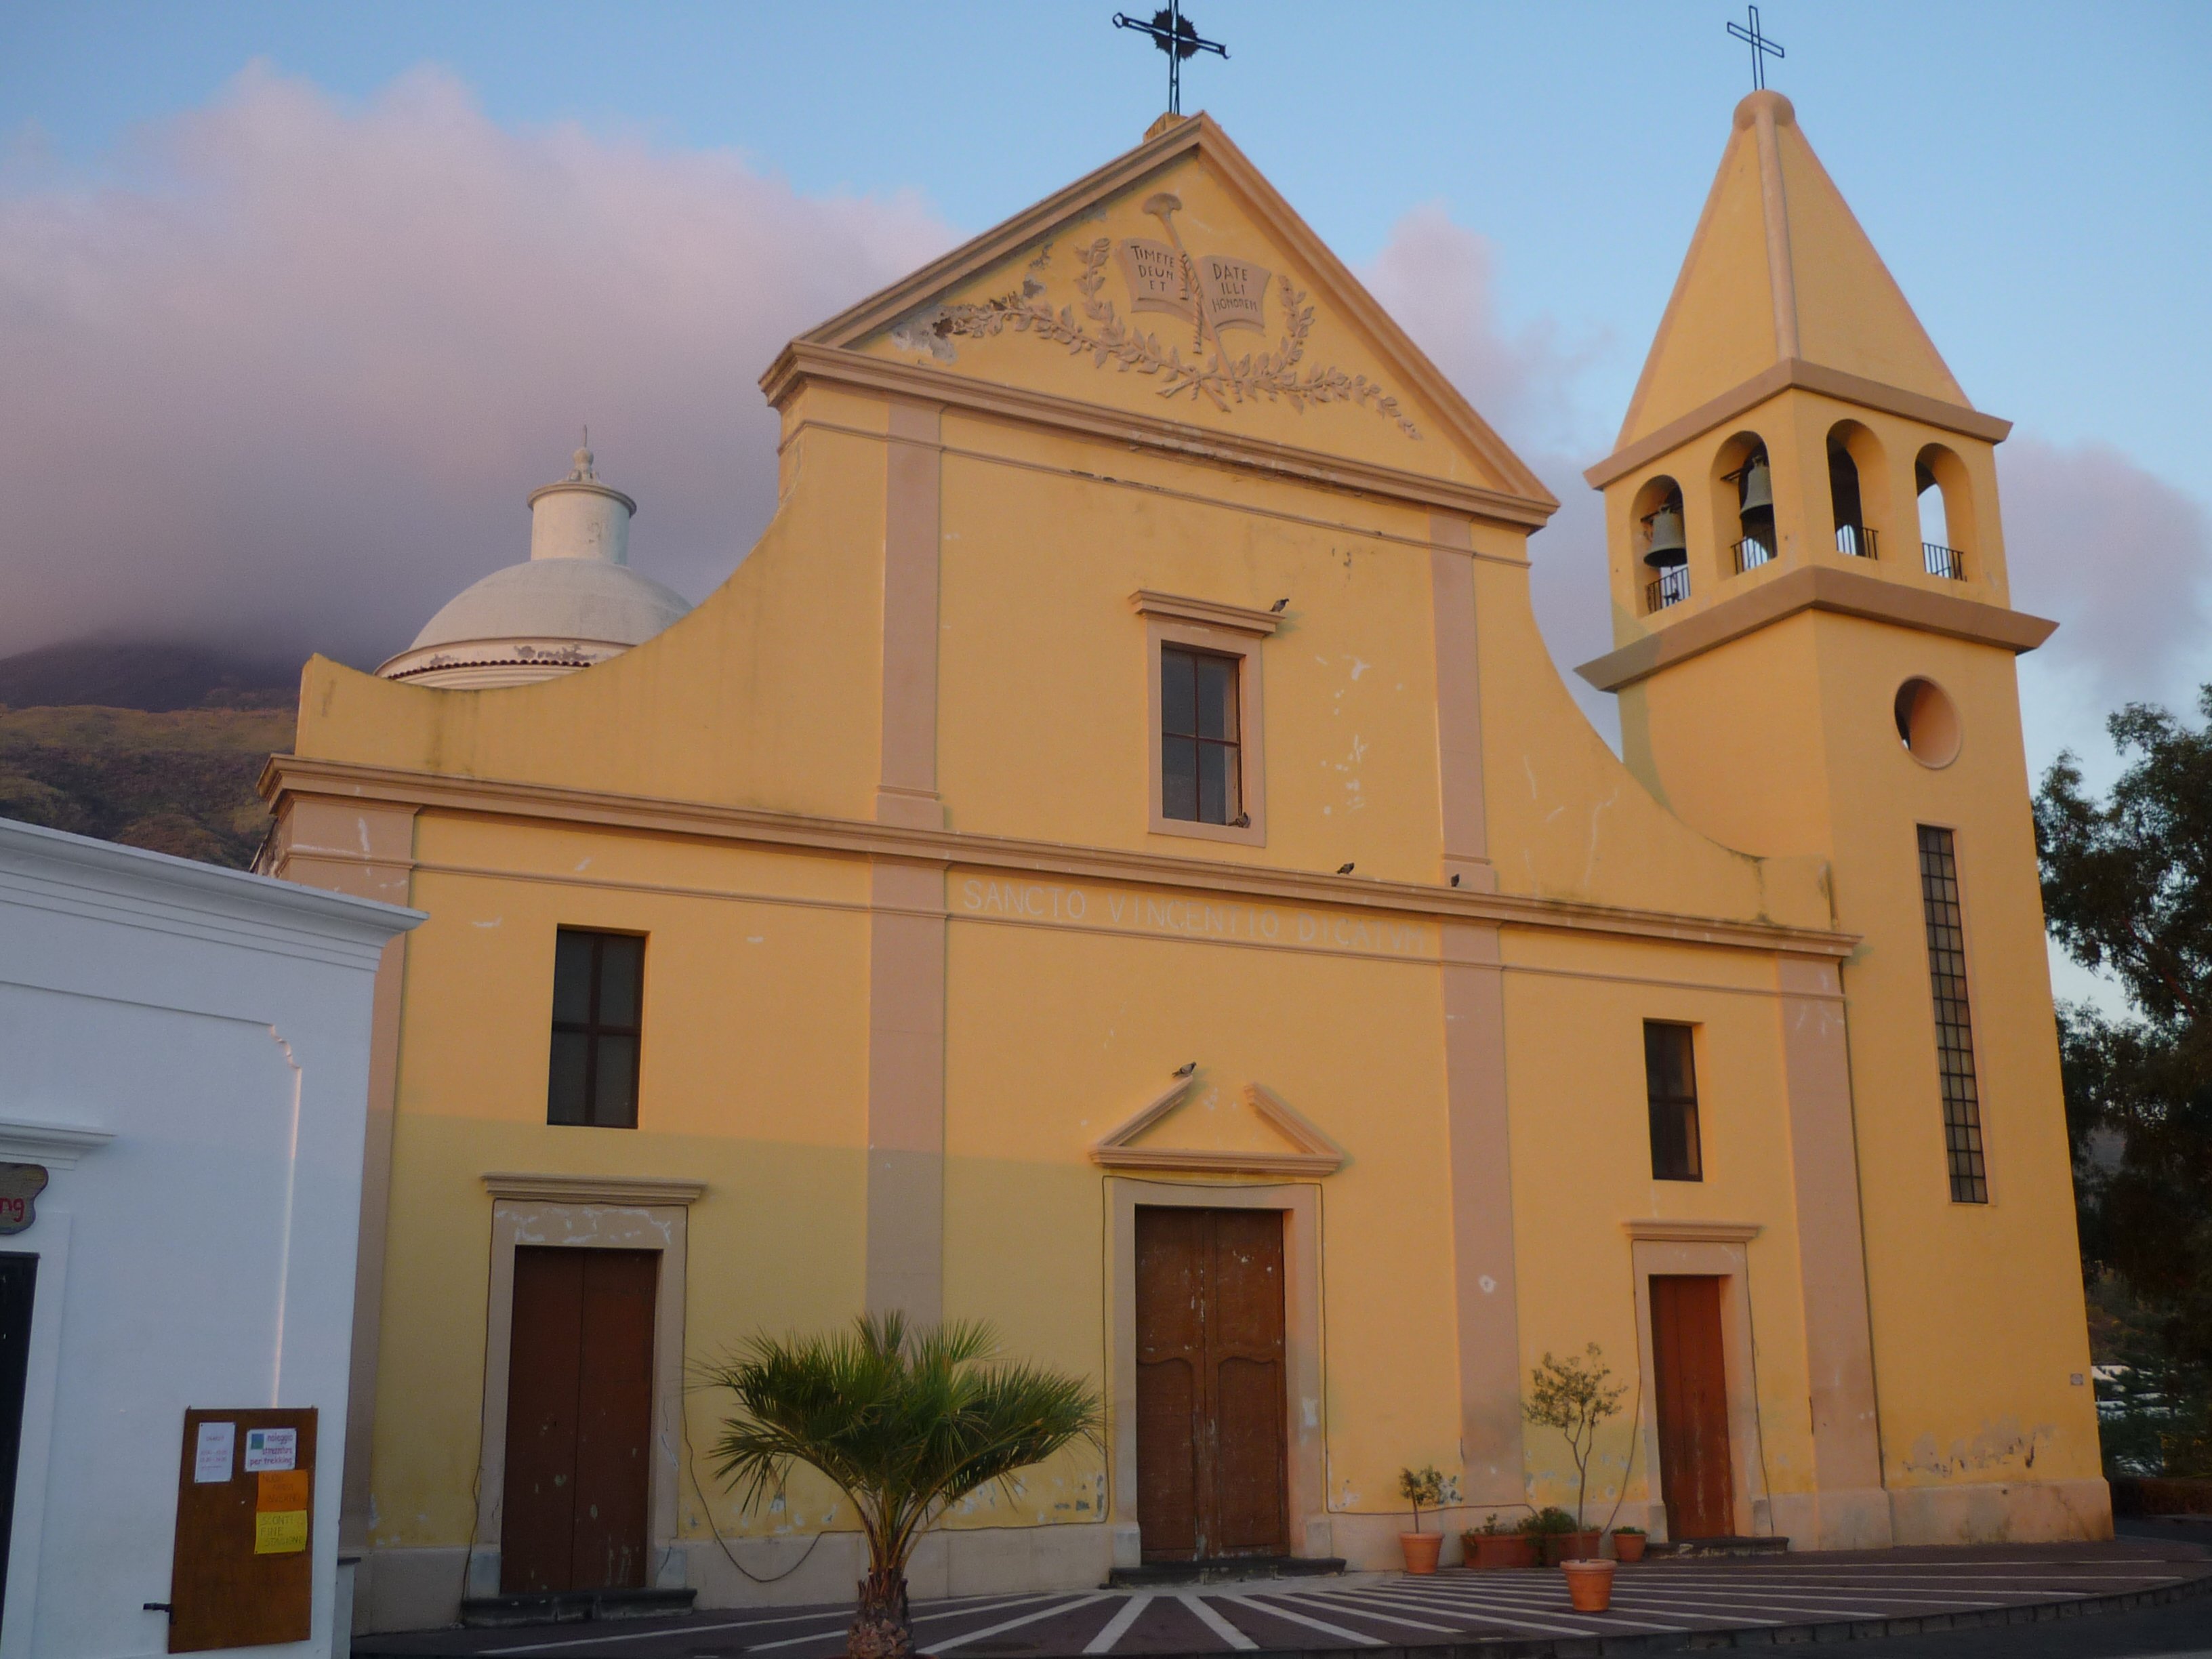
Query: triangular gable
point(1779, 269)
point(1306, 1151)
point(1175, 285)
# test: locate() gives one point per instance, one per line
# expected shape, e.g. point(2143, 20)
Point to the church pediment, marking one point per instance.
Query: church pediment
point(1175, 285)
point(1192, 1127)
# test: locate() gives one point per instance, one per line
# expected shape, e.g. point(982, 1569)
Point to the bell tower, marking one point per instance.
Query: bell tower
point(1814, 650)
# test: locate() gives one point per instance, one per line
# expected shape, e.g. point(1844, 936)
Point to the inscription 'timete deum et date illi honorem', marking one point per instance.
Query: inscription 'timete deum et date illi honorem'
point(1124, 910)
point(1217, 294)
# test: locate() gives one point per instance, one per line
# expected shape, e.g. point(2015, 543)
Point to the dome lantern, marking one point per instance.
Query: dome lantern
point(574, 602)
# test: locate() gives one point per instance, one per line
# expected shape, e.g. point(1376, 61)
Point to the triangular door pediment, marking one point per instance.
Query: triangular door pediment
point(1290, 1145)
point(1175, 284)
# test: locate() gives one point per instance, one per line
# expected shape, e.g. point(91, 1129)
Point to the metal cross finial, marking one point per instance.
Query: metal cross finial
point(1177, 36)
point(1761, 48)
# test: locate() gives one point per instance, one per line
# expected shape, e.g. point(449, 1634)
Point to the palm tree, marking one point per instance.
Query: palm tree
point(906, 1422)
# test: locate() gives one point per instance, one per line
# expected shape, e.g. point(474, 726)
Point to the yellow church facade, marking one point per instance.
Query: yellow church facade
point(1116, 860)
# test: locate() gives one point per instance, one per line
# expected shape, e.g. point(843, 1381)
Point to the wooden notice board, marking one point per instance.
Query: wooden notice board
point(244, 1572)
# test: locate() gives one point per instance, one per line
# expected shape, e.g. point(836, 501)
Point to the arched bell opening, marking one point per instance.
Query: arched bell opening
point(1854, 489)
point(1947, 511)
point(1661, 544)
point(1743, 501)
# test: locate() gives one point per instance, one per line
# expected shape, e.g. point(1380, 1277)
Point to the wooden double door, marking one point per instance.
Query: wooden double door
point(1211, 1382)
point(579, 1420)
point(1690, 1389)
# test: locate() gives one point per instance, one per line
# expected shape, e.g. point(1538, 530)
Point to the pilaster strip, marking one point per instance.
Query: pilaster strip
point(1459, 704)
point(1781, 275)
point(912, 473)
point(906, 1091)
point(1831, 1244)
point(1485, 1294)
point(365, 848)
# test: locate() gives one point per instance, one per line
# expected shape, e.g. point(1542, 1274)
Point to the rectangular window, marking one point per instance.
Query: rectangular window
point(599, 981)
point(1955, 1025)
point(1670, 1083)
point(1201, 778)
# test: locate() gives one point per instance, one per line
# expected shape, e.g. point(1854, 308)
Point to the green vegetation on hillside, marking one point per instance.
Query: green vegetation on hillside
point(180, 782)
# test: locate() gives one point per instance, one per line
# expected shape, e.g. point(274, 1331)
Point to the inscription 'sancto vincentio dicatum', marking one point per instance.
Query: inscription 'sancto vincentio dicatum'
point(1215, 293)
point(1122, 910)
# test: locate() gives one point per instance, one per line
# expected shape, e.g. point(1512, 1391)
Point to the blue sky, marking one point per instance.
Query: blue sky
point(2038, 176)
point(297, 300)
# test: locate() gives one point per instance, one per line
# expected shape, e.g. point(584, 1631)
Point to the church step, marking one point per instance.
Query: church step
point(572, 1607)
point(1686, 1547)
point(1223, 1569)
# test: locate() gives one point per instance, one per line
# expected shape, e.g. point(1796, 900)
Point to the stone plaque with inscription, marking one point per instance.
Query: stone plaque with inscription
point(1154, 271)
point(20, 1187)
point(1236, 291)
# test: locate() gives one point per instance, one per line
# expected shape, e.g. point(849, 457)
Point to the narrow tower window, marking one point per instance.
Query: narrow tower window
point(1955, 1026)
point(1853, 535)
point(1200, 754)
point(597, 986)
point(1670, 1083)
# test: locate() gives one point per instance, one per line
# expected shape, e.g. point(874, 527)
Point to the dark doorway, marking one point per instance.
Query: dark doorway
point(579, 1420)
point(1690, 1386)
point(19, 1278)
point(1211, 1380)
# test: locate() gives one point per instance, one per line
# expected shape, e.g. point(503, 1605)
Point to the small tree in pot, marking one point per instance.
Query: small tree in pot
point(1571, 1395)
point(906, 1422)
point(1426, 1484)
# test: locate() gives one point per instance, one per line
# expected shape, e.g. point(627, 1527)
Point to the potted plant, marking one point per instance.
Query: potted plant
point(1552, 1534)
point(1571, 1395)
point(1418, 1486)
point(907, 1422)
point(1493, 1545)
point(1628, 1543)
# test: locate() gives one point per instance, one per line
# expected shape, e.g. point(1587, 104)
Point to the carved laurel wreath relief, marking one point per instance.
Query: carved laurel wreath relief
point(1215, 294)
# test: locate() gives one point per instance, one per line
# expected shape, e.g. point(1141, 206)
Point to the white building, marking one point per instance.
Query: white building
point(183, 1065)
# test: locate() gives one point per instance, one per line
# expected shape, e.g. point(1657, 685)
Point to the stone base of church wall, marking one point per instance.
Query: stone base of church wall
point(2012, 1512)
point(398, 1589)
point(1847, 1518)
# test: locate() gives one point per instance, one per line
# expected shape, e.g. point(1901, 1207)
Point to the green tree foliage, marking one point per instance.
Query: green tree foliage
point(2127, 889)
point(906, 1422)
point(1571, 1395)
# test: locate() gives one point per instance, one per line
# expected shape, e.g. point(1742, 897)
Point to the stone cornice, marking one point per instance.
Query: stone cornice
point(804, 360)
point(55, 1146)
point(1646, 1228)
point(1205, 613)
point(624, 1190)
point(1807, 377)
point(298, 775)
point(1817, 587)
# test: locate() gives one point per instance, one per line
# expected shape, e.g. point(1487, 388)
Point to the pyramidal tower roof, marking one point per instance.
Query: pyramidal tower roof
point(1779, 273)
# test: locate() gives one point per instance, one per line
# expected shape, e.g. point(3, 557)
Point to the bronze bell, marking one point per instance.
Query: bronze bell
point(1758, 490)
point(1668, 548)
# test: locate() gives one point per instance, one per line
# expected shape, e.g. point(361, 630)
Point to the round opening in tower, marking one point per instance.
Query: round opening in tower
point(1928, 722)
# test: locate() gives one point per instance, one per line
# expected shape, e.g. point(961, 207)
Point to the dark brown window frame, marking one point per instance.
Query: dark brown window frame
point(1676, 1122)
point(1964, 1155)
point(1231, 747)
point(592, 1028)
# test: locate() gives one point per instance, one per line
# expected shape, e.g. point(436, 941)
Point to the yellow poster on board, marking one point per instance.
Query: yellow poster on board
point(280, 1532)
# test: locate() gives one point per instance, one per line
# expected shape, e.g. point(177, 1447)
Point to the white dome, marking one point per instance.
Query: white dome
point(574, 602)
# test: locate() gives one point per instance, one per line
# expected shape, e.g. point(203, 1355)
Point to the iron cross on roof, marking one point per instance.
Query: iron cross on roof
point(1761, 48)
point(1177, 36)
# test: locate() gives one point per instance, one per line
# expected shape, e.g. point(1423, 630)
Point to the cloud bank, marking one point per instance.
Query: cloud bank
point(290, 384)
point(287, 385)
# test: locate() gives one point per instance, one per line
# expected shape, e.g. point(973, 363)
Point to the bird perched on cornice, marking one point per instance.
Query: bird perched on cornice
point(1186, 1068)
point(1277, 608)
point(1344, 869)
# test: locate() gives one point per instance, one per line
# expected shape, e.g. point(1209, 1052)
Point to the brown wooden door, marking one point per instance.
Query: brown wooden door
point(1691, 1390)
point(1211, 1378)
point(579, 1420)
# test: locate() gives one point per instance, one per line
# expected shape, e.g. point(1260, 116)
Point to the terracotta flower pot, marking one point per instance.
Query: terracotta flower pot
point(1563, 1547)
point(1589, 1584)
point(1628, 1545)
point(1499, 1549)
point(1421, 1550)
